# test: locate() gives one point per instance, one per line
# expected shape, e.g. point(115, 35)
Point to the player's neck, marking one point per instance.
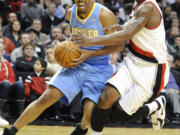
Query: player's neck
point(84, 15)
point(139, 1)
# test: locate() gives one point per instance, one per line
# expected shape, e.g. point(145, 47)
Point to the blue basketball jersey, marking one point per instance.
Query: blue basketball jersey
point(90, 27)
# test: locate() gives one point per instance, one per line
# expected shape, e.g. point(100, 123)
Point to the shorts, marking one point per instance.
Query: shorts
point(135, 81)
point(90, 79)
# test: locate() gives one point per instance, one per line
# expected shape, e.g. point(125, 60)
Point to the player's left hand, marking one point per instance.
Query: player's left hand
point(84, 55)
point(80, 40)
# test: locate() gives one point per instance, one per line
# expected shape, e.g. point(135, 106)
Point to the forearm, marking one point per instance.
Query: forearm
point(111, 39)
point(108, 50)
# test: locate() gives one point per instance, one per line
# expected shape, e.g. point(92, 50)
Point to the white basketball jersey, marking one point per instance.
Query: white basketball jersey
point(150, 42)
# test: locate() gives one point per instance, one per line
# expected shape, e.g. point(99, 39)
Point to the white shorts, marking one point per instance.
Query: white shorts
point(135, 81)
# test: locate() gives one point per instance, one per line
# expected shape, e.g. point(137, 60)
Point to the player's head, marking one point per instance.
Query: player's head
point(84, 5)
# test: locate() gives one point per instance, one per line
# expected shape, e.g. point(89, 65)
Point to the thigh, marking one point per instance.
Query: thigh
point(67, 82)
point(94, 83)
point(122, 80)
point(4, 89)
point(134, 99)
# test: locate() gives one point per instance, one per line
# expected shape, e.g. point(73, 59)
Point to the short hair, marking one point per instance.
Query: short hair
point(49, 47)
point(28, 44)
point(43, 63)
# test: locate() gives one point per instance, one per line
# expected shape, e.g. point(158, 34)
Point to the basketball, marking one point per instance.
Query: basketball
point(65, 52)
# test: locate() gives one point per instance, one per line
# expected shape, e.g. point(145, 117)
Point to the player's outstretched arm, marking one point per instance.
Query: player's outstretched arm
point(132, 27)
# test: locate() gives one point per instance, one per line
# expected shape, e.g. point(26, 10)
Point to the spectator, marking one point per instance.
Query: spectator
point(66, 30)
point(9, 88)
point(36, 83)
point(30, 11)
point(40, 38)
point(6, 56)
point(18, 52)
point(11, 18)
point(171, 34)
point(173, 94)
point(56, 36)
point(167, 17)
point(175, 23)
point(176, 7)
point(25, 63)
point(12, 38)
point(177, 44)
point(176, 68)
point(52, 65)
point(60, 12)
point(49, 20)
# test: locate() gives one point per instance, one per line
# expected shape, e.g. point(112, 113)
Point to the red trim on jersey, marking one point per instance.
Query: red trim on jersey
point(162, 78)
point(159, 13)
point(141, 2)
point(140, 51)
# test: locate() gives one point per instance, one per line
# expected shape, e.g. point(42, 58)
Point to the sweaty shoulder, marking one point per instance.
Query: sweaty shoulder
point(68, 15)
point(107, 17)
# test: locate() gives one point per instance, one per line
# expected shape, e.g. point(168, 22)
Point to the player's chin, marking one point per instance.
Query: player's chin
point(82, 10)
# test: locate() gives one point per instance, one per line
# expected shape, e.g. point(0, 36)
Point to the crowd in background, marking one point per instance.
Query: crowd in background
point(29, 31)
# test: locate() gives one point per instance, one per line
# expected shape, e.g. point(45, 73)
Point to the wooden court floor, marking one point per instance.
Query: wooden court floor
point(66, 130)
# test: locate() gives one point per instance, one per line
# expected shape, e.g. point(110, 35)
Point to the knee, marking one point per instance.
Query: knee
point(18, 86)
point(105, 100)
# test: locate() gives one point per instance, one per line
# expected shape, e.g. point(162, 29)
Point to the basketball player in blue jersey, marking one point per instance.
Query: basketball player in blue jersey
point(88, 18)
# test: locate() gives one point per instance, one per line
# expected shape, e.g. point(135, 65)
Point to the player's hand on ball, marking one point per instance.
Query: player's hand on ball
point(84, 55)
point(80, 40)
point(113, 28)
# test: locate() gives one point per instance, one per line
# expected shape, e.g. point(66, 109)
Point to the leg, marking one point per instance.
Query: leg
point(17, 93)
point(4, 92)
point(102, 110)
point(81, 129)
point(49, 97)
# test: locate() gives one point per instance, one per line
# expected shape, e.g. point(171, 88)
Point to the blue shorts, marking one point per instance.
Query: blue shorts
point(90, 79)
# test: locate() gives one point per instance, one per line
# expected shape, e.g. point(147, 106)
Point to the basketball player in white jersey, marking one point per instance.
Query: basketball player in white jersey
point(143, 73)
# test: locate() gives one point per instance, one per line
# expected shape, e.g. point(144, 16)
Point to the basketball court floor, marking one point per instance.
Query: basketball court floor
point(66, 130)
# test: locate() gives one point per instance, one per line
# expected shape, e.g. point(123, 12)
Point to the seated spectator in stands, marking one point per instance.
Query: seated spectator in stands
point(175, 23)
point(173, 94)
point(66, 30)
point(9, 88)
point(171, 34)
point(49, 20)
point(6, 56)
point(60, 11)
point(56, 36)
point(36, 83)
point(11, 18)
point(177, 44)
point(52, 65)
point(176, 7)
point(39, 50)
point(25, 63)
point(167, 18)
point(30, 11)
point(40, 39)
point(18, 52)
point(12, 38)
point(176, 68)
point(177, 63)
